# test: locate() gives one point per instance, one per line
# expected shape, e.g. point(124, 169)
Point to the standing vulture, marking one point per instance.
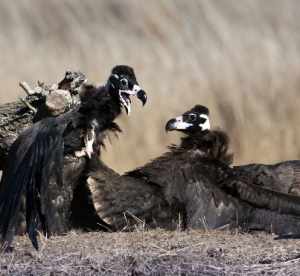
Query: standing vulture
point(37, 154)
point(194, 184)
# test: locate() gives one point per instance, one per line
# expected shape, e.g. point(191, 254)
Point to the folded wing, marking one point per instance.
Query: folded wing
point(34, 157)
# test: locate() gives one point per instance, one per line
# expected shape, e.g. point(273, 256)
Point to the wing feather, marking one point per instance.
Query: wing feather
point(33, 158)
point(262, 197)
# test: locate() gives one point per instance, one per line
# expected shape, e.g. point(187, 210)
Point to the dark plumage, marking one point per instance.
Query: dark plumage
point(37, 154)
point(282, 177)
point(195, 179)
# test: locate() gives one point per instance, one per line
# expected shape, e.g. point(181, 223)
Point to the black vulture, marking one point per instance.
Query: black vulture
point(37, 154)
point(195, 180)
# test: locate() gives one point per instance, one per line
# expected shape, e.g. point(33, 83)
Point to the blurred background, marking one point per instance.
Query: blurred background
point(240, 58)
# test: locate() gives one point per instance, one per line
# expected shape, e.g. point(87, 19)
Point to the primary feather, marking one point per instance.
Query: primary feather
point(30, 164)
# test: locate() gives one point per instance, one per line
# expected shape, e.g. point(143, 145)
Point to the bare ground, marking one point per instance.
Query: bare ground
point(156, 252)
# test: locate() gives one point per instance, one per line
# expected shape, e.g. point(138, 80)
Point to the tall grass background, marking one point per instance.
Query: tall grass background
point(240, 58)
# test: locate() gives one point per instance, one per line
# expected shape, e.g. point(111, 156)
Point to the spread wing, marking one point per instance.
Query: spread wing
point(161, 171)
point(33, 158)
point(242, 187)
point(122, 201)
point(213, 188)
point(282, 177)
point(189, 184)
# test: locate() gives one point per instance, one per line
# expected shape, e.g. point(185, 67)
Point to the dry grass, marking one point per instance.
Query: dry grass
point(241, 58)
point(155, 253)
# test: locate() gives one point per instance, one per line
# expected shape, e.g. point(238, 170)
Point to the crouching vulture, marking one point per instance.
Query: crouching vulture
point(37, 155)
point(194, 184)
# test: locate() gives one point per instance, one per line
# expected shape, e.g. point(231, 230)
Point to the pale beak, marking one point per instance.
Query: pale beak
point(177, 124)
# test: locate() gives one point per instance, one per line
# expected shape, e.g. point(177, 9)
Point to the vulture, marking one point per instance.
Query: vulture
point(37, 155)
point(194, 185)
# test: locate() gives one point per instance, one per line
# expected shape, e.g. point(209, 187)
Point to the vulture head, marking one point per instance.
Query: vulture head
point(123, 84)
point(194, 120)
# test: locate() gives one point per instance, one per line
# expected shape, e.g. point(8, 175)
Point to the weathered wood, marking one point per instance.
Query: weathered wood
point(14, 118)
point(60, 198)
point(40, 102)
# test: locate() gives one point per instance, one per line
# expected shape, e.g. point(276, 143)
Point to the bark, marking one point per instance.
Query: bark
point(40, 102)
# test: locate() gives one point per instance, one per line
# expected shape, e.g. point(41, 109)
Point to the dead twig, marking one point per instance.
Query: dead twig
point(33, 109)
point(25, 86)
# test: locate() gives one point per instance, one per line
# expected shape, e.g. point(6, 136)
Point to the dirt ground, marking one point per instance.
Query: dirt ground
point(156, 252)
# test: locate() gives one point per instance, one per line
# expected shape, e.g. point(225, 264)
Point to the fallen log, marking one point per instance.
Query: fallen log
point(40, 102)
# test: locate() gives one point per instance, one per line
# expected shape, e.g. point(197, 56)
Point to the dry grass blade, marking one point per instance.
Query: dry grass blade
point(159, 251)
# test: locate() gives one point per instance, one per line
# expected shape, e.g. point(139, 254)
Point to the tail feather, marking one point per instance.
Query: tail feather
point(35, 156)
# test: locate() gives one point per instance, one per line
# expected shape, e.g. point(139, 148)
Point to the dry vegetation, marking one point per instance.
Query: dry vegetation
point(241, 58)
point(155, 253)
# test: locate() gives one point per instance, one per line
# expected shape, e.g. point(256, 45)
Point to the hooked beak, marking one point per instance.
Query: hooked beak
point(125, 97)
point(170, 125)
point(142, 96)
point(177, 124)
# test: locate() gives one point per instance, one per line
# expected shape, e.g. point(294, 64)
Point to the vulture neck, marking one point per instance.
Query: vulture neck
point(209, 144)
point(100, 103)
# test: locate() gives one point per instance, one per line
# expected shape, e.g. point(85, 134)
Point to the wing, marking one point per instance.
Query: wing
point(288, 173)
point(282, 177)
point(256, 195)
point(213, 190)
point(33, 158)
point(123, 201)
point(154, 172)
point(188, 183)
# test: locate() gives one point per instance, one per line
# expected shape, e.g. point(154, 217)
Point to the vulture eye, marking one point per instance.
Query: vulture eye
point(192, 117)
point(124, 82)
